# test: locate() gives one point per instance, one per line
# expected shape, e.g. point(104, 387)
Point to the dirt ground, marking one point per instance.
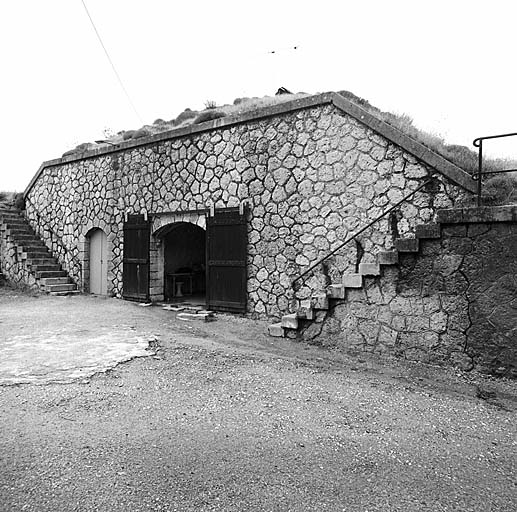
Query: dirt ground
point(217, 416)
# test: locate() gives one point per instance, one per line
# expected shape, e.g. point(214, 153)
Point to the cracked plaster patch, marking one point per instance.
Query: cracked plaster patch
point(66, 357)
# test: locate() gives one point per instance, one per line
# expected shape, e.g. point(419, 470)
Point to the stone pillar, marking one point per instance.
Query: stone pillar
point(156, 269)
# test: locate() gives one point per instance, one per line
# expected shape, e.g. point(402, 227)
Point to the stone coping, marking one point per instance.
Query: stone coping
point(479, 214)
point(437, 162)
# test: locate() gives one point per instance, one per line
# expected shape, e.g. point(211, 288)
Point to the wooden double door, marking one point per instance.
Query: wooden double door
point(226, 258)
point(226, 255)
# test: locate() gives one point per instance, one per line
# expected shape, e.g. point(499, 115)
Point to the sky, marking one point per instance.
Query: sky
point(451, 65)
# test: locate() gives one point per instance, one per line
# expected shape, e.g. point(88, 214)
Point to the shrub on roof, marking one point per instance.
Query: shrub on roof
point(138, 134)
point(501, 189)
point(186, 114)
point(159, 121)
point(208, 115)
point(85, 146)
point(357, 100)
point(461, 156)
point(19, 201)
point(128, 135)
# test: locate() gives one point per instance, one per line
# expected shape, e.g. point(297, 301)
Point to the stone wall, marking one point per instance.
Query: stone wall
point(455, 302)
point(311, 176)
point(13, 263)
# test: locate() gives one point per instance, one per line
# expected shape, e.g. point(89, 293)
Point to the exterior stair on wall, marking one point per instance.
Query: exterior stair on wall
point(34, 253)
point(309, 309)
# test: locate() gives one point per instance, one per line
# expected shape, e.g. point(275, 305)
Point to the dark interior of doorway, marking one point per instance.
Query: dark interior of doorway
point(184, 264)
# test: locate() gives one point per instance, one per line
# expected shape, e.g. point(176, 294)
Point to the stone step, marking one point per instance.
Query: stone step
point(65, 293)
point(407, 244)
point(428, 231)
point(276, 330)
point(387, 257)
point(31, 247)
point(352, 280)
point(369, 269)
point(60, 287)
point(47, 281)
point(319, 301)
point(22, 230)
point(35, 263)
point(305, 311)
point(336, 291)
point(9, 217)
point(15, 224)
point(289, 321)
point(50, 274)
point(37, 255)
point(46, 267)
point(24, 235)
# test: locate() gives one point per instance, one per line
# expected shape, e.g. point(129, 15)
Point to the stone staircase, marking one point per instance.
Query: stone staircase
point(34, 254)
point(313, 308)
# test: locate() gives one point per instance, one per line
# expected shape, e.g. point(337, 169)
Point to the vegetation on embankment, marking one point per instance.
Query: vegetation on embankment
point(12, 199)
point(499, 189)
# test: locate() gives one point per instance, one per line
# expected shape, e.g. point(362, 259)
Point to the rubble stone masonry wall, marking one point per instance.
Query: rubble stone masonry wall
point(454, 302)
point(311, 177)
point(13, 264)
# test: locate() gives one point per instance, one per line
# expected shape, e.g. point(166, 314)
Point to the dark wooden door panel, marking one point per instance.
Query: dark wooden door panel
point(226, 260)
point(136, 258)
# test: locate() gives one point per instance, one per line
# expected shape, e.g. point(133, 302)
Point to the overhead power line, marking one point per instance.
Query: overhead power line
point(112, 65)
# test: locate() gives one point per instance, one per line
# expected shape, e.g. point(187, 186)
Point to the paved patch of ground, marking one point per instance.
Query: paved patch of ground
point(221, 417)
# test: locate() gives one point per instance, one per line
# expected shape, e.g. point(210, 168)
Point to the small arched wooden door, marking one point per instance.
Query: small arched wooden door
point(98, 262)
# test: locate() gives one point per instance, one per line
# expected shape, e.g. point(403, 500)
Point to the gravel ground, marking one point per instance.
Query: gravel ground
point(223, 418)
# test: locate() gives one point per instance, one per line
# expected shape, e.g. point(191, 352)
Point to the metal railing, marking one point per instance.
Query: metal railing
point(362, 230)
point(478, 143)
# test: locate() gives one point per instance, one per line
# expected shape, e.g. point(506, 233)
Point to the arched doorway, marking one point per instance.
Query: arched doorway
point(98, 262)
point(184, 253)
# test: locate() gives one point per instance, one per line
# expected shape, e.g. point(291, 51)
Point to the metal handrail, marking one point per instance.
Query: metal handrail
point(362, 230)
point(478, 143)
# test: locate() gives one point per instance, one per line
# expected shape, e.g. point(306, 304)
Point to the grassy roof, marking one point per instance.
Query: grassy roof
point(462, 156)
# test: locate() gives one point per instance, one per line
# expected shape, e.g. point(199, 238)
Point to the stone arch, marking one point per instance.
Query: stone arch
point(178, 247)
point(162, 220)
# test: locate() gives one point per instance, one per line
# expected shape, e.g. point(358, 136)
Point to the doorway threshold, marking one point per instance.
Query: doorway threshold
point(187, 301)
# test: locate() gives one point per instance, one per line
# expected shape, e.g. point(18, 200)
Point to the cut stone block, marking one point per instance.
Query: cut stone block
point(369, 269)
point(60, 287)
point(204, 317)
point(172, 308)
point(305, 310)
point(55, 280)
point(65, 293)
point(336, 291)
point(352, 280)
point(388, 258)
point(407, 244)
point(319, 301)
point(276, 330)
point(290, 321)
point(428, 231)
